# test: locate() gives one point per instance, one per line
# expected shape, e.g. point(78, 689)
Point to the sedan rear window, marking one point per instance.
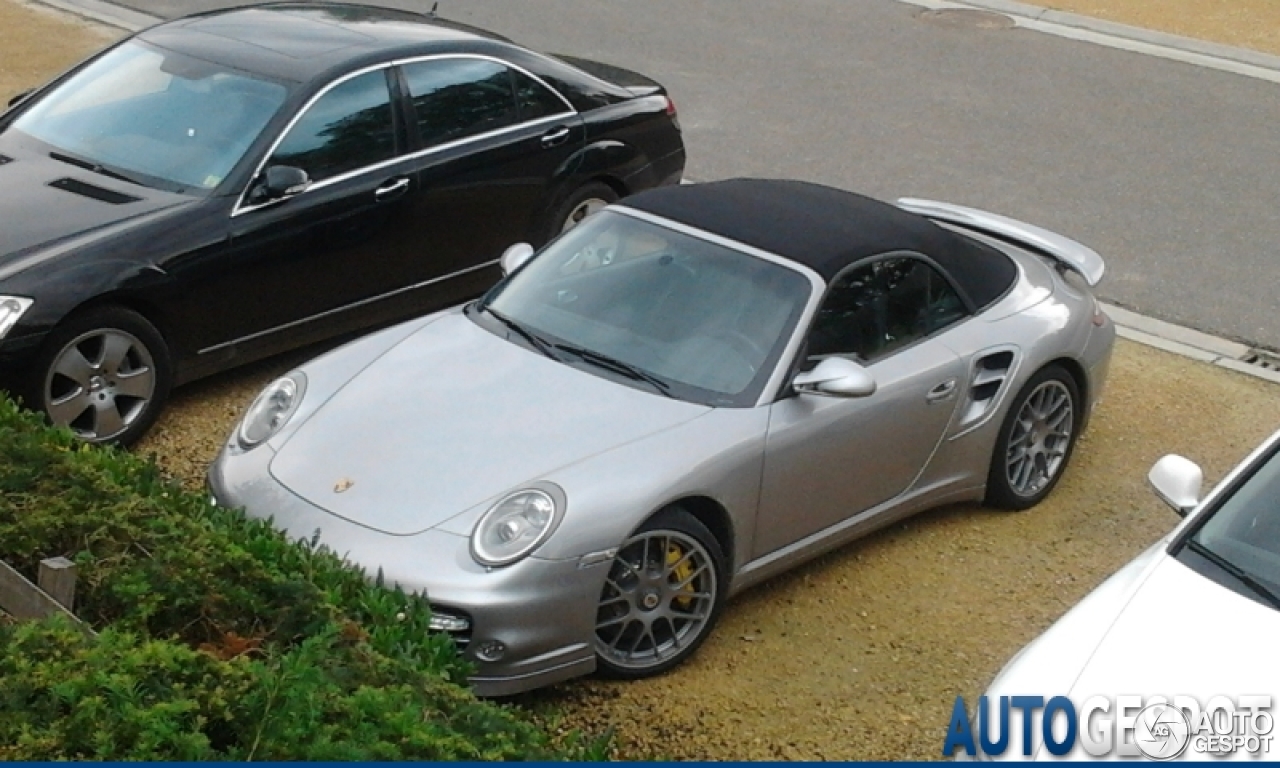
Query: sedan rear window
point(460, 97)
point(155, 116)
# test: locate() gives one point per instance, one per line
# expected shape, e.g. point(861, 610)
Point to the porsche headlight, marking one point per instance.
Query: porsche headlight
point(271, 410)
point(515, 526)
point(11, 310)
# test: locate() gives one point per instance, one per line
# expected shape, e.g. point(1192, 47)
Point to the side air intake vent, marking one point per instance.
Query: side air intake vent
point(986, 381)
point(77, 187)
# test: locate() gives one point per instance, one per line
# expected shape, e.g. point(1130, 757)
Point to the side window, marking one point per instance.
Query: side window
point(535, 100)
point(347, 128)
point(456, 98)
point(871, 311)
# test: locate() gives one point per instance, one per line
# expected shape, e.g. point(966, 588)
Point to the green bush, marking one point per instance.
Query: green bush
point(217, 637)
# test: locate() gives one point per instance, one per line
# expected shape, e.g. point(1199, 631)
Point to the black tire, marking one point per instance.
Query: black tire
point(680, 527)
point(1053, 384)
point(572, 207)
point(129, 371)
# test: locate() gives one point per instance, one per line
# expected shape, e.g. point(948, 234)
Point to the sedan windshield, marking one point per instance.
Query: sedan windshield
point(1242, 537)
point(664, 310)
point(155, 117)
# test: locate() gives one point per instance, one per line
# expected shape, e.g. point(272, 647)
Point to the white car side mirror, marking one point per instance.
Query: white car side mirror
point(836, 376)
point(1177, 481)
point(515, 257)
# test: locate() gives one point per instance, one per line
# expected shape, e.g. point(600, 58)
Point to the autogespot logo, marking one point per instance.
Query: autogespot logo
point(1162, 732)
point(1157, 727)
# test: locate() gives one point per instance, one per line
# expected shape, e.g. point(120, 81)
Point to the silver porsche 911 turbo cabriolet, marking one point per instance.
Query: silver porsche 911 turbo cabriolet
point(685, 394)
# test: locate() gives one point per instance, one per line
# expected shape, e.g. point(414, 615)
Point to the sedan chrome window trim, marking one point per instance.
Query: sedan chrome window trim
point(818, 289)
point(485, 57)
point(241, 206)
point(344, 308)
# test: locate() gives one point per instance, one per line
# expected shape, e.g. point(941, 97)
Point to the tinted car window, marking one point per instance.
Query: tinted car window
point(535, 100)
point(873, 310)
point(348, 128)
point(456, 98)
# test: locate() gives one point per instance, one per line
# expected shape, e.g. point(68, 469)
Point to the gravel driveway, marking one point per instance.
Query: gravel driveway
point(860, 654)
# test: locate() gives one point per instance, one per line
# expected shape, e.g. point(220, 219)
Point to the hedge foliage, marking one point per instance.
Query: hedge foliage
point(217, 637)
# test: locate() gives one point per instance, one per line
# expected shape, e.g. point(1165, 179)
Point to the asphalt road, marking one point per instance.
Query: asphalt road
point(1168, 169)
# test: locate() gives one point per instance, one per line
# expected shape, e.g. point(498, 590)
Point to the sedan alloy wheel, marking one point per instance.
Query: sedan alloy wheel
point(105, 375)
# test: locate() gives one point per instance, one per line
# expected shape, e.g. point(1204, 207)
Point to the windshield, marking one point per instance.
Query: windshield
point(706, 321)
point(1243, 533)
point(155, 117)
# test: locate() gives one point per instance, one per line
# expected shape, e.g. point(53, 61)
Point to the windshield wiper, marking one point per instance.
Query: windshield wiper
point(536, 341)
point(1259, 589)
point(90, 166)
point(617, 366)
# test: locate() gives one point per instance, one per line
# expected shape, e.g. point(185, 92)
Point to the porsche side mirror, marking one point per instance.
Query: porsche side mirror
point(281, 181)
point(1177, 482)
point(514, 257)
point(19, 98)
point(836, 376)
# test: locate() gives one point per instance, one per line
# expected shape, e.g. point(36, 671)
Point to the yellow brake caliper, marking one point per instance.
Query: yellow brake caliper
point(681, 573)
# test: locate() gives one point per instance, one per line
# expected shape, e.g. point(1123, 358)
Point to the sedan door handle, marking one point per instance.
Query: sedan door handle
point(391, 190)
point(942, 392)
point(555, 137)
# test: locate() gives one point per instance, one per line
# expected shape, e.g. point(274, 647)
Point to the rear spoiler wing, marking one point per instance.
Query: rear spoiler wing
point(1063, 250)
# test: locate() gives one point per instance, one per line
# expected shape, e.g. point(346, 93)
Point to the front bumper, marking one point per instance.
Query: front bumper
point(541, 613)
point(17, 356)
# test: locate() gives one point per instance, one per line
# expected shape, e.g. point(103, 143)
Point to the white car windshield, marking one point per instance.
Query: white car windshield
point(1243, 533)
point(700, 320)
point(155, 117)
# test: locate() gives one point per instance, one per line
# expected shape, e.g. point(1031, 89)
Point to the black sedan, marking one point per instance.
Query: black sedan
point(234, 184)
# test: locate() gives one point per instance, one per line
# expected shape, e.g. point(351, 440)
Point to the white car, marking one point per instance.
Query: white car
point(1194, 619)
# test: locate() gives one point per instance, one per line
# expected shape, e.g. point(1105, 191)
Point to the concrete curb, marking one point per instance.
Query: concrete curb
point(1176, 339)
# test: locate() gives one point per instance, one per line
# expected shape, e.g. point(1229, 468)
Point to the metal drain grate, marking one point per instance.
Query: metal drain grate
point(1262, 359)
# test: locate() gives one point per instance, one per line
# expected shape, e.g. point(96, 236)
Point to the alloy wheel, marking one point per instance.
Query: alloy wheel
point(657, 601)
point(1040, 438)
point(99, 384)
point(581, 211)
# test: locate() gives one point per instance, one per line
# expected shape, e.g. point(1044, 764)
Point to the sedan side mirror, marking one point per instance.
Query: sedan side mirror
point(837, 376)
point(19, 98)
point(514, 257)
point(281, 181)
point(1177, 482)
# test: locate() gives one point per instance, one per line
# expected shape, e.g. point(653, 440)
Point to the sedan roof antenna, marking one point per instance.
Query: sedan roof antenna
point(432, 13)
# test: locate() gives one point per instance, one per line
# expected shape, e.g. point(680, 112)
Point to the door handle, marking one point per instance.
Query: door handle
point(391, 190)
point(555, 137)
point(942, 392)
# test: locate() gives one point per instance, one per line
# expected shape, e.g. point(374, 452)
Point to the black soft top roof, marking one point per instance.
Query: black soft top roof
point(827, 229)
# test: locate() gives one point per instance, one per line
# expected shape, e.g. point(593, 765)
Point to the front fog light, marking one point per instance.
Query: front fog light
point(11, 310)
point(515, 526)
point(271, 410)
point(491, 650)
point(444, 622)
